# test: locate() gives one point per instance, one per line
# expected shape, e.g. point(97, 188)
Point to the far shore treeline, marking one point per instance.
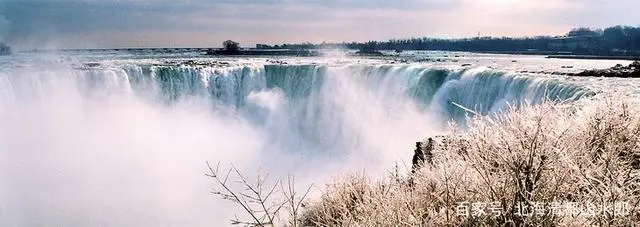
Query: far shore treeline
point(617, 40)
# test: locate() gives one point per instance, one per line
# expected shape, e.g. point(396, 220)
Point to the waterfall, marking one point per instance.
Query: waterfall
point(80, 146)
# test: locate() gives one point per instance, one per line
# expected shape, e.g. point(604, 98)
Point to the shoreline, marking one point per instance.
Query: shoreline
point(595, 57)
point(316, 52)
point(273, 52)
point(564, 55)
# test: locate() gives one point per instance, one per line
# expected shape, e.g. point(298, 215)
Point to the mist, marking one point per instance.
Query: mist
point(85, 148)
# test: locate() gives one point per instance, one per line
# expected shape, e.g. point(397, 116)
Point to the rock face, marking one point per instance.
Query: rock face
point(418, 157)
point(631, 71)
point(423, 154)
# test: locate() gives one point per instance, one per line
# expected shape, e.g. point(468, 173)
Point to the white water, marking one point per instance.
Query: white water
point(126, 144)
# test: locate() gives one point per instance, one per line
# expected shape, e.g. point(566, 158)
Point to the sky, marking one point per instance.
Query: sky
point(206, 23)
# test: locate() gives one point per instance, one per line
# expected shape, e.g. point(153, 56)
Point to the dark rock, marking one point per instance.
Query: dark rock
point(423, 154)
point(276, 62)
point(418, 158)
point(428, 151)
point(4, 49)
point(631, 71)
point(369, 53)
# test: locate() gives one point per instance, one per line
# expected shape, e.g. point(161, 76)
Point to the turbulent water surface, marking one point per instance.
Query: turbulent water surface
point(121, 139)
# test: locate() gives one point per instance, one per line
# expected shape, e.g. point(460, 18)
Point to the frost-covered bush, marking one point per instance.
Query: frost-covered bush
point(550, 164)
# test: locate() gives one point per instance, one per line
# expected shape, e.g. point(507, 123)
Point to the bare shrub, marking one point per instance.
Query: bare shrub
point(263, 202)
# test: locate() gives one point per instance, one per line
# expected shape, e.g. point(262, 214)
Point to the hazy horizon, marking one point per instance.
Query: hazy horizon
point(43, 24)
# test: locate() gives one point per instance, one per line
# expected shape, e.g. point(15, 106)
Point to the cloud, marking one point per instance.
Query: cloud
point(94, 23)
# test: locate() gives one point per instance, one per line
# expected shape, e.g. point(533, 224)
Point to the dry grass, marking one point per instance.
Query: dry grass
point(547, 157)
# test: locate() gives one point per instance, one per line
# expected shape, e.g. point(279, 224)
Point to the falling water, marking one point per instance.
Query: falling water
point(125, 144)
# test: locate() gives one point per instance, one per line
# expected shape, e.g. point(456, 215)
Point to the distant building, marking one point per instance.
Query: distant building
point(573, 43)
point(263, 46)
